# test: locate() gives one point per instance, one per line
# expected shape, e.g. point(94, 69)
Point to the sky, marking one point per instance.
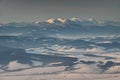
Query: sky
point(33, 10)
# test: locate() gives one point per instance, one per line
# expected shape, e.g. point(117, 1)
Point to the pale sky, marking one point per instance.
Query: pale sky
point(33, 10)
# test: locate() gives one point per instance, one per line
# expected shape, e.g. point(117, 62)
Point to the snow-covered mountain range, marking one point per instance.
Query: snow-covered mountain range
point(60, 26)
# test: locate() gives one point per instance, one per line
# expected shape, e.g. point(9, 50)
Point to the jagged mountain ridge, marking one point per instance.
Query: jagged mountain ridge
point(73, 26)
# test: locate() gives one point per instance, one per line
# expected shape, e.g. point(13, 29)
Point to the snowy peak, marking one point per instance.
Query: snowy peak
point(51, 20)
point(91, 19)
point(61, 20)
point(76, 19)
point(95, 21)
point(37, 22)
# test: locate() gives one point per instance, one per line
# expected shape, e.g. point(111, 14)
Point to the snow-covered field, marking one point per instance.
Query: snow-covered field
point(60, 50)
point(87, 67)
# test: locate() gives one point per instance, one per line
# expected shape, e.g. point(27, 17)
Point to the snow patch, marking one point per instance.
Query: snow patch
point(14, 65)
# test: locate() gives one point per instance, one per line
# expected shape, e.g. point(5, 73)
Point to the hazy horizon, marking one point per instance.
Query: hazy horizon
point(33, 10)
